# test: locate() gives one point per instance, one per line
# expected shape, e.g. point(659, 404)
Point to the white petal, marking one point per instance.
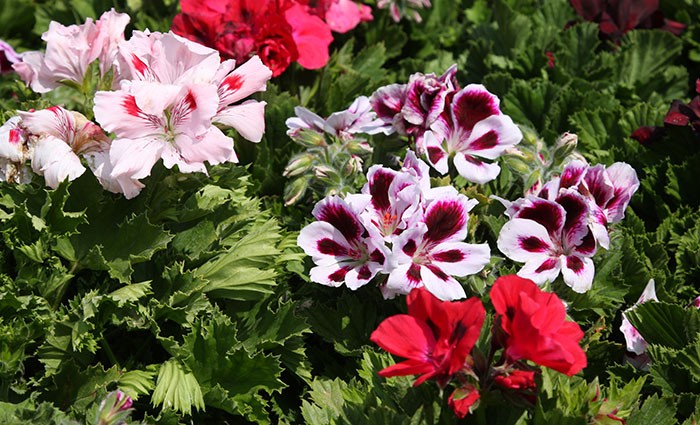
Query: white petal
point(56, 161)
point(541, 269)
point(461, 259)
point(475, 170)
point(523, 240)
point(443, 287)
point(578, 272)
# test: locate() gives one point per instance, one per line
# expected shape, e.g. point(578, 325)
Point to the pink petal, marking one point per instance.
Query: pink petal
point(573, 173)
point(249, 78)
point(248, 119)
point(311, 35)
point(626, 183)
point(56, 161)
point(343, 15)
point(134, 158)
point(214, 147)
point(101, 167)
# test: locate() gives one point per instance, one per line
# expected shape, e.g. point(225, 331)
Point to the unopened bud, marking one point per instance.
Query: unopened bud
point(353, 166)
point(295, 190)
point(358, 147)
point(299, 164)
point(517, 164)
point(308, 138)
point(564, 147)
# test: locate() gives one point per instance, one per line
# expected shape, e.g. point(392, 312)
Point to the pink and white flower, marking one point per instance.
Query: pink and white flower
point(433, 251)
point(552, 237)
point(70, 50)
point(14, 152)
point(58, 138)
point(635, 342)
point(358, 118)
point(471, 129)
point(343, 250)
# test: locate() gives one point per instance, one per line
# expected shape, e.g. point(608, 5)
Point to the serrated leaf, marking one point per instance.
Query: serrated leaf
point(655, 410)
point(136, 383)
point(177, 389)
point(665, 324)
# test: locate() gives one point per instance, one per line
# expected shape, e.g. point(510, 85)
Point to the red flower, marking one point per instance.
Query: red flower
point(616, 17)
point(536, 327)
point(517, 380)
point(435, 336)
point(279, 31)
point(462, 400)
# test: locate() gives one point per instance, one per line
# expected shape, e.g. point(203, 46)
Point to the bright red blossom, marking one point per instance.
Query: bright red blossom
point(435, 336)
point(279, 31)
point(462, 400)
point(536, 326)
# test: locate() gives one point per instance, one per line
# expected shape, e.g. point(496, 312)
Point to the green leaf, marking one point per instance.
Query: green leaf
point(655, 410)
point(177, 389)
point(669, 325)
point(137, 382)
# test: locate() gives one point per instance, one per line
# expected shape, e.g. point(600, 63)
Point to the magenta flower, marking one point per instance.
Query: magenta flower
point(552, 237)
point(433, 251)
point(342, 248)
point(471, 129)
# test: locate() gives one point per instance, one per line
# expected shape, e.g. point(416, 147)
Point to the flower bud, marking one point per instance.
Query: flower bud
point(564, 147)
point(309, 138)
point(295, 190)
point(299, 164)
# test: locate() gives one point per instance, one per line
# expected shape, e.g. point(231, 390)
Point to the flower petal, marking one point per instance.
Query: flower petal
point(524, 240)
point(248, 119)
point(475, 170)
point(577, 272)
point(461, 259)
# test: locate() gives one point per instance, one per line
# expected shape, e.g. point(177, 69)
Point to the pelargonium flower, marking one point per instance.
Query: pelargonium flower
point(8, 56)
point(682, 114)
point(59, 137)
point(343, 249)
point(432, 251)
point(635, 341)
point(436, 337)
point(278, 32)
point(536, 326)
point(70, 50)
point(340, 15)
point(401, 8)
point(14, 152)
point(552, 237)
point(470, 129)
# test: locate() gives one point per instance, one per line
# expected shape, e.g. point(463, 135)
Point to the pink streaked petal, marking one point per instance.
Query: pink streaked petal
point(33, 71)
point(461, 259)
point(102, 169)
point(182, 61)
point(492, 136)
point(248, 119)
point(573, 174)
point(447, 219)
point(587, 247)
point(547, 213)
point(577, 213)
point(387, 101)
point(475, 170)
point(379, 179)
point(523, 239)
point(249, 78)
point(339, 214)
point(473, 104)
point(440, 284)
point(577, 272)
point(120, 113)
point(110, 32)
point(54, 121)
point(634, 340)
point(172, 156)
point(624, 179)
point(649, 293)
point(541, 269)
point(134, 158)
point(56, 161)
point(330, 274)
point(598, 185)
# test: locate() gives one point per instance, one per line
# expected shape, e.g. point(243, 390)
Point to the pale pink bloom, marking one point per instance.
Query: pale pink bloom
point(59, 137)
point(70, 50)
point(14, 152)
point(696, 302)
point(155, 121)
point(635, 342)
point(430, 253)
point(8, 56)
point(358, 118)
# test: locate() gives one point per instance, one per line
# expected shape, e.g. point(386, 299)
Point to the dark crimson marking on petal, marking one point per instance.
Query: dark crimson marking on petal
point(458, 333)
point(438, 272)
point(414, 273)
point(379, 189)
point(15, 136)
point(533, 244)
point(570, 176)
point(451, 256)
point(232, 83)
point(487, 141)
point(410, 248)
point(130, 106)
point(338, 275)
point(587, 245)
point(472, 106)
point(548, 264)
point(342, 219)
point(435, 154)
point(510, 312)
point(545, 213)
point(364, 273)
point(330, 247)
point(574, 263)
point(377, 257)
point(190, 101)
point(575, 208)
point(444, 220)
point(140, 66)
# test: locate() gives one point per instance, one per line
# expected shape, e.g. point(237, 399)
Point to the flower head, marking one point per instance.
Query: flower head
point(436, 337)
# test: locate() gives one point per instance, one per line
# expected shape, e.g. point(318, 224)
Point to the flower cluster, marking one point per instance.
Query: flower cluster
point(557, 227)
point(397, 226)
point(168, 96)
point(437, 339)
point(446, 122)
point(279, 32)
